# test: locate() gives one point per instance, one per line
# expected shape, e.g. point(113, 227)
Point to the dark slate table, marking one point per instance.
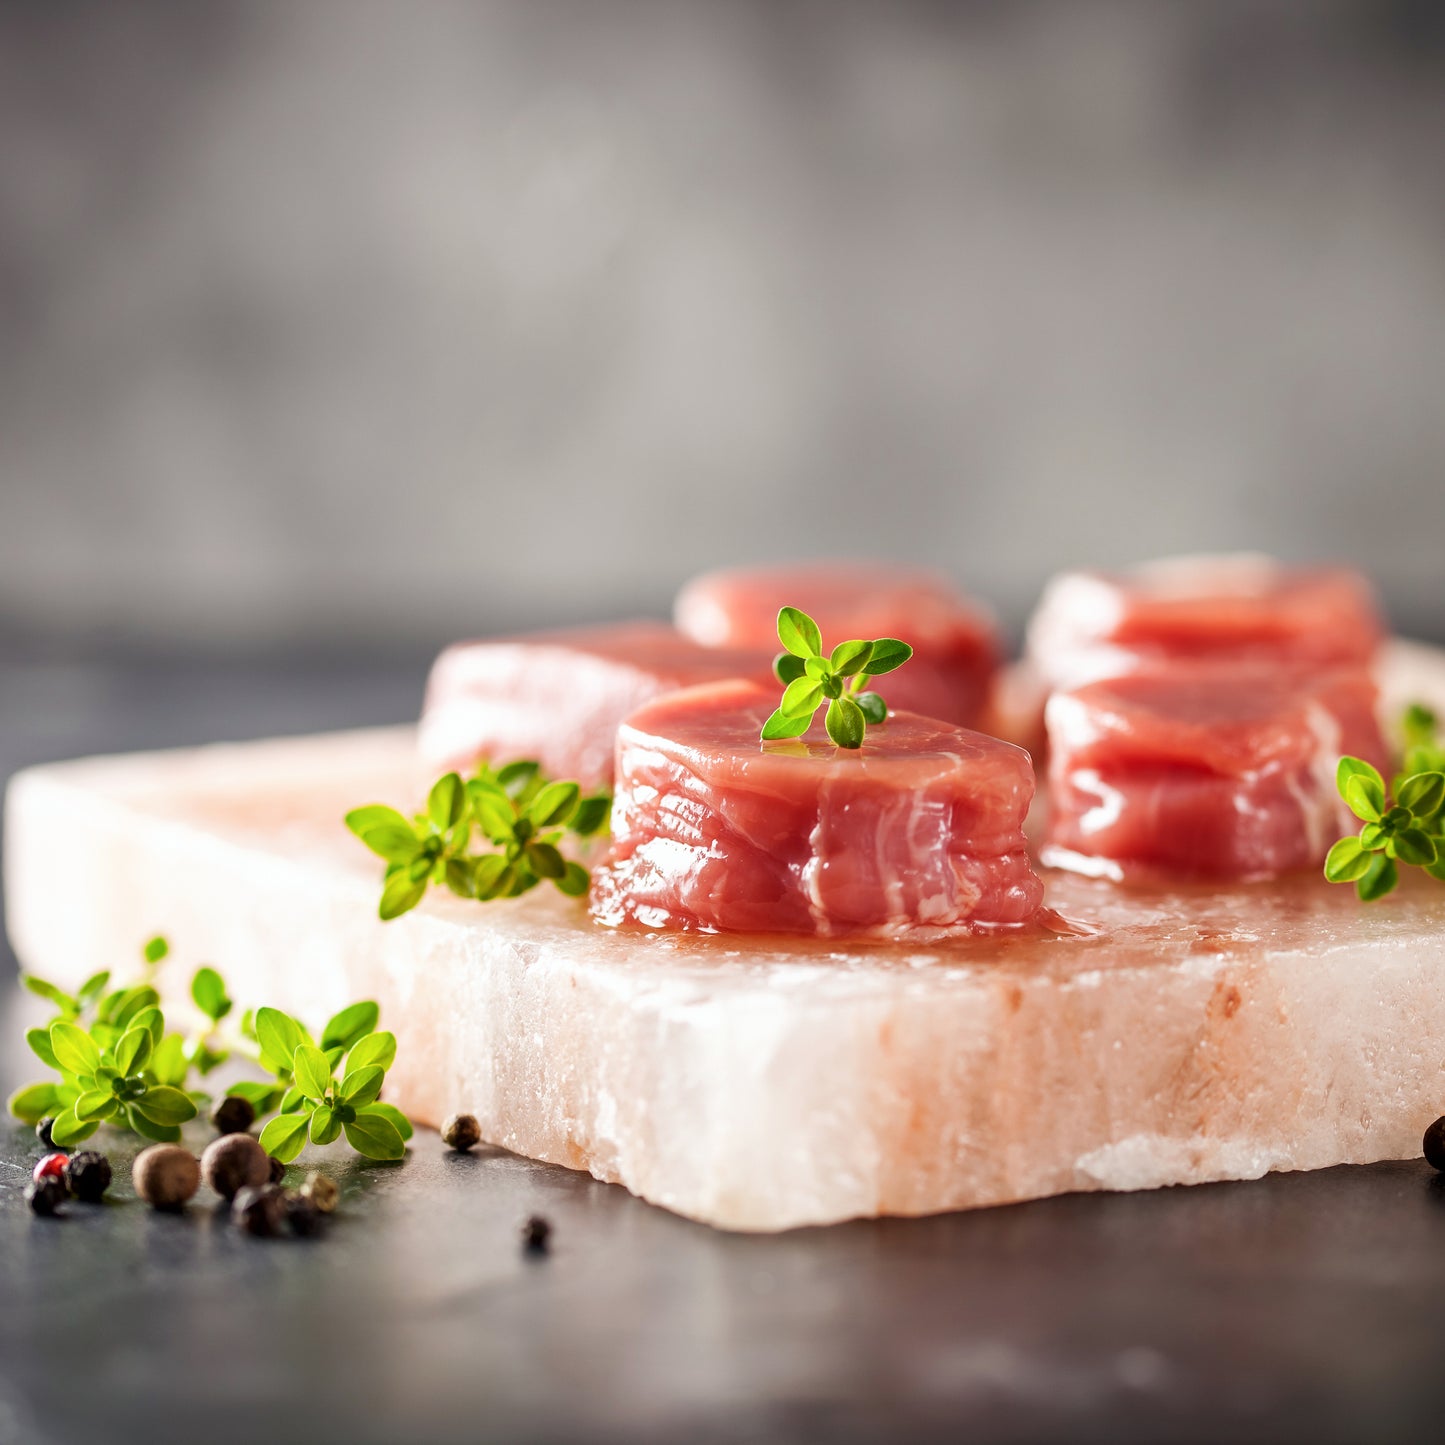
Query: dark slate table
point(1302, 1307)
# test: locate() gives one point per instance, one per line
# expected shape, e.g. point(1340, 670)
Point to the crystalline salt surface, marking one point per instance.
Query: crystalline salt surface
point(559, 696)
point(1200, 1033)
point(954, 639)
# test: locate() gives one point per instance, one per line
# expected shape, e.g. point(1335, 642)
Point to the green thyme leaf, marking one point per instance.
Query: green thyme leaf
point(152, 1020)
point(495, 813)
point(75, 1052)
point(873, 708)
point(325, 1126)
point(95, 1104)
point(554, 804)
point(69, 1128)
point(1422, 794)
point(799, 633)
point(92, 988)
point(373, 1134)
point(50, 993)
point(208, 989)
point(32, 1103)
point(591, 815)
point(546, 861)
point(279, 1036)
point(400, 895)
point(845, 722)
point(850, 657)
point(1347, 861)
point(156, 948)
point(575, 881)
point(149, 1129)
point(285, 1136)
point(133, 1002)
point(168, 1061)
point(362, 1085)
point(1365, 798)
point(165, 1105)
point(398, 1120)
point(263, 1098)
point(39, 1041)
point(801, 698)
point(377, 1050)
point(782, 725)
point(313, 1071)
point(351, 1025)
point(133, 1051)
point(888, 655)
point(1414, 846)
point(1379, 879)
point(446, 804)
point(787, 668)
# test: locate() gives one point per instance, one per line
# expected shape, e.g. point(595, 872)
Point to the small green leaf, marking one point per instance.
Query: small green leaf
point(781, 725)
point(850, 657)
point(801, 698)
point(400, 895)
point(1422, 794)
point(374, 1135)
point(459, 878)
point(285, 1136)
point(446, 804)
point(1414, 846)
point(133, 1051)
point(95, 1105)
point(168, 1061)
point(554, 804)
point(493, 876)
point(514, 777)
point(845, 723)
point(362, 821)
point(292, 1100)
point(888, 655)
point(136, 1001)
point(1379, 880)
point(591, 815)
point(1347, 861)
point(1351, 767)
point(149, 1129)
point(156, 948)
point(152, 1020)
point(32, 1103)
point(75, 1051)
point(787, 668)
point(396, 845)
point(279, 1036)
point(325, 1126)
point(799, 633)
point(92, 988)
point(263, 1098)
point(389, 1111)
point(546, 861)
point(362, 1085)
point(209, 991)
point(1365, 797)
point(873, 708)
point(575, 881)
point(165, 1105)
point(313, 1072)
point(377, 1049)
point(39, 1041)
point(69, 1128)
point(351, 1025)
point(495, 812)
point(48, 991)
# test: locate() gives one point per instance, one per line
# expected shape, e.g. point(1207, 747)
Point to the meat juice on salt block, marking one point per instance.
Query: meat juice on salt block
point(558, 697)
point(1205, 770)
point(916, 834)
point(954, 639)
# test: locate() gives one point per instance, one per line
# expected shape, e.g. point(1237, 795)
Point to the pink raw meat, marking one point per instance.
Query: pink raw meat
point(1204, 771)
point(955, 643)
point(559, 696)
point(1238, 609)
point(917, 834)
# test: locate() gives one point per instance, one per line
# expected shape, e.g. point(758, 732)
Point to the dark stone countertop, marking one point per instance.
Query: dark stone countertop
point(1302, 1307)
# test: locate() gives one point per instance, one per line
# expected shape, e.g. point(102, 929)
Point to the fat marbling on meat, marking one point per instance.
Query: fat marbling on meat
point(918, 833)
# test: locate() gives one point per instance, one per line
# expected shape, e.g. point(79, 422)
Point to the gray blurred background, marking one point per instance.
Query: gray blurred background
point(349, 325)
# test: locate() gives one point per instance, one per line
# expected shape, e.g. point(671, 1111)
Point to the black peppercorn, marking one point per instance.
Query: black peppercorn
point(259, 1211)
point(88, 1175)
point(278, 1169)
point(461, 1132)
point(233, 1162)
point(45, 1196)
point(233, 1115)
point(303, 1217)
point(42, 1132)
point(536, 1234)
point(1435, 1144)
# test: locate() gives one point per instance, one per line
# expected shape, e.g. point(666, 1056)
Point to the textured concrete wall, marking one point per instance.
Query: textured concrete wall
point(403, 320)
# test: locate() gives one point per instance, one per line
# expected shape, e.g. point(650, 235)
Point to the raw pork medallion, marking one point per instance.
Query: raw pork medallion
point(955, 644)
point(1202, 770)
point(1238, 609)
point(559, 696)
point(918, 833)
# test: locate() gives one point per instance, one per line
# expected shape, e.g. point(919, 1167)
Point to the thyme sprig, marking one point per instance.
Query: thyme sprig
point(838, 679)
point(523, 815)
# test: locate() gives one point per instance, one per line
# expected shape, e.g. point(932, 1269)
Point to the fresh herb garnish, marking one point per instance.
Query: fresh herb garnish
point(1403, 826)
point(117, 1064)
point(523, 815)
point(810, 679)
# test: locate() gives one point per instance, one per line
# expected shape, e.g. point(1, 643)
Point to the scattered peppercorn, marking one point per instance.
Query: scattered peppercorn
point(1435, 1144)
point(165, 1175)
point(462, 1132)
point(536, 1234)
point(88, 1176)
point(259, 1210)
point(278, 1170)
point(233, 1115)
point(51, 1167)
point(233, 1162)
point(304, 1218)
point(321, 1191)
point(42, 1132)
point(45, 1196)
